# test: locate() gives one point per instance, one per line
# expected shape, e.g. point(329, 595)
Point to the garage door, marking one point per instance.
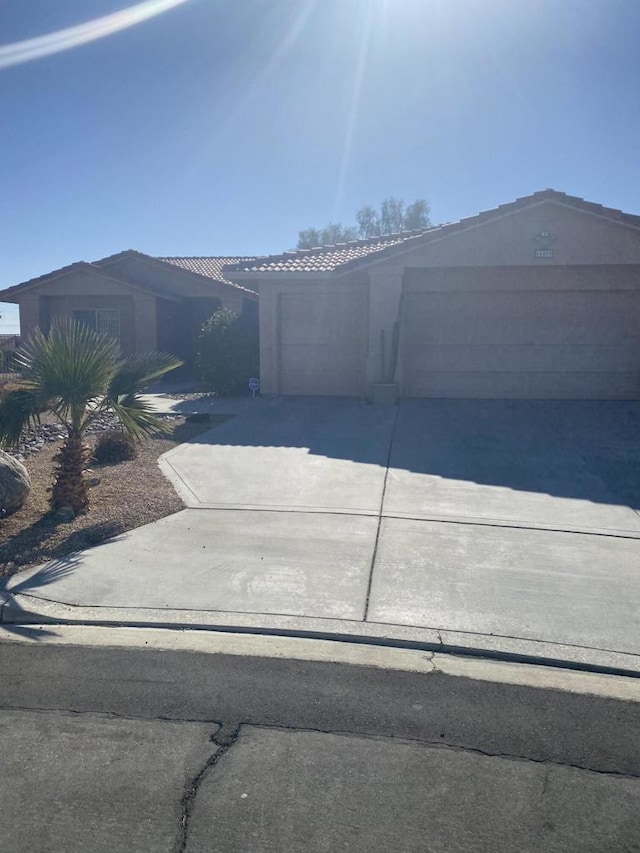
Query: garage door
point(518, 343)
point(323, 341)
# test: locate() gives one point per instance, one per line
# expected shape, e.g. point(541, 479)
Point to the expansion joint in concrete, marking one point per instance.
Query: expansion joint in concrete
point(380, 512)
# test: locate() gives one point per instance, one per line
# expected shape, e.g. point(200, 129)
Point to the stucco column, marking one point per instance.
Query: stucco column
point(29, 315)
point(385, 289)
point(145, 322)
point(269, 340)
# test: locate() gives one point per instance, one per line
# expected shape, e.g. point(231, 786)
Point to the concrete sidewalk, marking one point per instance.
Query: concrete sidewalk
point(498, 528)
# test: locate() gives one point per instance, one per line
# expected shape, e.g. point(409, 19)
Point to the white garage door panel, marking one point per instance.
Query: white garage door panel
point(323, 341)
point(524, 386)
point(459, 357)
point(548, 345)
point(322, 317)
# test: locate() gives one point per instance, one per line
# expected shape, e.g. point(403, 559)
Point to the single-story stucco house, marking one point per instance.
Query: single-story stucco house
point(538, 298)
point(146, 303)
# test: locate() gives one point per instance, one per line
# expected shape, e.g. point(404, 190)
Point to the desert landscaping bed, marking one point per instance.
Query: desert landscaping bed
point(122, 496)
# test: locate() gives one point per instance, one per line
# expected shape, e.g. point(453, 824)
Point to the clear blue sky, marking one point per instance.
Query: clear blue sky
point(225, 126)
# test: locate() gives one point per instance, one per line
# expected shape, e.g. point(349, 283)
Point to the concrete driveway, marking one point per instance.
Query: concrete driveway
point(497, 526)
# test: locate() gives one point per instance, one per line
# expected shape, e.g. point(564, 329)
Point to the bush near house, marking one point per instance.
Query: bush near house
point(227, 352)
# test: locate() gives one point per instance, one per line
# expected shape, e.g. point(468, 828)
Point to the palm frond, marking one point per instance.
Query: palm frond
point(72, 364)
point(19, 411)
point(138, 370)
point(136, 416)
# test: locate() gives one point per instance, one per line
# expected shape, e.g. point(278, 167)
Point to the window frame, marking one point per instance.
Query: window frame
point(103, 320)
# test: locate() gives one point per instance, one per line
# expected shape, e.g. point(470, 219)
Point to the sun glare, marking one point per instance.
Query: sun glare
point(354, 103)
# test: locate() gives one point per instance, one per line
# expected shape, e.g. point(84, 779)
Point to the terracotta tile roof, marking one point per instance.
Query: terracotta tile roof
point(348, 255)
point(323, 258)
point(207, 266)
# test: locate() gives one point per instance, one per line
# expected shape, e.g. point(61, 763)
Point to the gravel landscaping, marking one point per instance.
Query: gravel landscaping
point(122, 496)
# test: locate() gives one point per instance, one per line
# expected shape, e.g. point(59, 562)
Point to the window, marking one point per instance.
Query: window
point(105, 320)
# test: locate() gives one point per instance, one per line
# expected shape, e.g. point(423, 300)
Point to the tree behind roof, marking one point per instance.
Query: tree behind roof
point(392, 217)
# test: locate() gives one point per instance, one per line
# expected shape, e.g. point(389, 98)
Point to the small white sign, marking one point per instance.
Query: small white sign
point(254, 384)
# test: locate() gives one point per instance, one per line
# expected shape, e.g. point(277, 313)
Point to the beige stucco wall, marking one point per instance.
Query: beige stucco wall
point(64, 306)
point(576, 238)
point(29, 307)
point(87, 289)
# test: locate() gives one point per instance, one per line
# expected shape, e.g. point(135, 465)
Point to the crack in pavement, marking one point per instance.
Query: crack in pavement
point(75, 712)
point(443, 744)
point(223, 739)
point(228, 732)
point(545, 785)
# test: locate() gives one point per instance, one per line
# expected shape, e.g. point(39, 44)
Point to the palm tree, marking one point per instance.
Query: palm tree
point(79, 374)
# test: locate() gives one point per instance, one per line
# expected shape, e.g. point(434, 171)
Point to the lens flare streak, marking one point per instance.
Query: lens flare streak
point(56, 42)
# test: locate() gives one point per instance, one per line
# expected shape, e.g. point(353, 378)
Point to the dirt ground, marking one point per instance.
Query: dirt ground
point(125, 495)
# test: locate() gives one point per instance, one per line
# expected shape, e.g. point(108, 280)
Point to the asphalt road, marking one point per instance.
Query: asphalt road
point(129, 749)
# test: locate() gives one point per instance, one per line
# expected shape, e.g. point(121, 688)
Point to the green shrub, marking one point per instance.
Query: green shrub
point(227, 352)
point(114, 446)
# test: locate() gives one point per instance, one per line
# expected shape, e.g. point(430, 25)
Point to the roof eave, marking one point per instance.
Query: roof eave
point(257, 275)
point(453, 229)
point(151, 259)
point(19, 289)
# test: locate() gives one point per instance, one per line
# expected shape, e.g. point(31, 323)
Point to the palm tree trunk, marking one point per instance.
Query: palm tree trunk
point(70, 488)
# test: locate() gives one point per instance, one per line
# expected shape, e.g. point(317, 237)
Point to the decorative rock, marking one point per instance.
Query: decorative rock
point(32, 442)
point(14, 484)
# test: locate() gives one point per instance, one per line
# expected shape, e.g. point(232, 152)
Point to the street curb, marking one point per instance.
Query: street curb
point(23, 609)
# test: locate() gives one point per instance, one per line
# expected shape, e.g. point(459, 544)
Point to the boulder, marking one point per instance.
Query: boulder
point(14, 484)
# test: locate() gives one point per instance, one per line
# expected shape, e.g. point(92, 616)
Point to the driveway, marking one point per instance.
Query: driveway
point(504, 526)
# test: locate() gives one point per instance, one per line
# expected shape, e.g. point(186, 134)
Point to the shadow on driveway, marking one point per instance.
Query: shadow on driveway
point(32, 583)
point(586, 450)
